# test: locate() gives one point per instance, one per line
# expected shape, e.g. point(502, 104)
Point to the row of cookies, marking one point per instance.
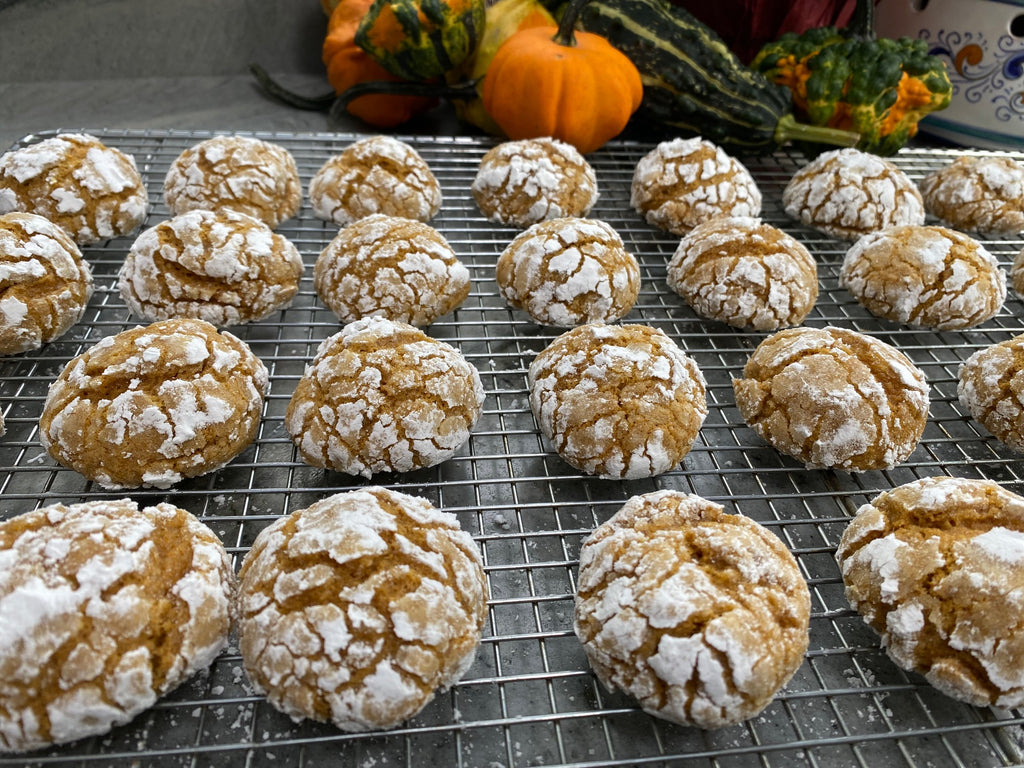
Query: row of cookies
point(358, 609)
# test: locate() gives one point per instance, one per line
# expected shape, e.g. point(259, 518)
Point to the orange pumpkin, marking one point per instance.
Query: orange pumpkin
point(348, 65)
point(573, 86)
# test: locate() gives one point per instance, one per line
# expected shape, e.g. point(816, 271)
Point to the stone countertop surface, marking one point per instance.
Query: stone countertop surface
point(143, 64)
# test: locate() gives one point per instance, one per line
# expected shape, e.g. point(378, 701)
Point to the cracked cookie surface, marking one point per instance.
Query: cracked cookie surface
point(104, 607)
point(241, 173)
point(355, 610)
point(45, 284)
point(569, 271)
point(936, 567)
point(382, 396)
point(834, 398)
point(618, 401)
point(378, 174)
point(846, 193)
point(92, 191)
point(684, 182)
point(155, 404)
point(519, 183)
point(700, 615)
point(391, 267)
point(990, 385)
point(984, 195)
point(224, 267)
point(745, 273)
point(925, 276)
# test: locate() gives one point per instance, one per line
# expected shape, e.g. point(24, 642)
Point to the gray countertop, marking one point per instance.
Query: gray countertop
point(138, 64)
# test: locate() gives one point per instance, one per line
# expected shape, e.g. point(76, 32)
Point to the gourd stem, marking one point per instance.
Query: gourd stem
point(862, 23)
point(566, 34)
point(460, 91)
point(788, 129)
point(272, 88)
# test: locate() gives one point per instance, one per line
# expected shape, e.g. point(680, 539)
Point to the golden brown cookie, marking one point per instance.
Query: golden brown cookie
point(929, 277)
point(45, 284)
point(846, 193)
point(991, 387)
point(522, 182)
point(569, 271)
point(684, 182)
point(700, 615)
point(354, 611)
point(378, 174)
point(154, 405)
point(984, 195)
point(835, 398)
point(241, 173)
point(1017, 273)
point(618, 401)
point(92, 191)
point(224, 267)
point(104, 608)
point(936, 567)
point(382, 396)
point(392, 267)
point(743, 272)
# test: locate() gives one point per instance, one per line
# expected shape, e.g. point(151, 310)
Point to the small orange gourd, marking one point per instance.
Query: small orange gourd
point(553, 81)
point(348, 65)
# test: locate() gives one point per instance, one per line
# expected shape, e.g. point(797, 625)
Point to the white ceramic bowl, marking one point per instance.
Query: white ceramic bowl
point(982, 43)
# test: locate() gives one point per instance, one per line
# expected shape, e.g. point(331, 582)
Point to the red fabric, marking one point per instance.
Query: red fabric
point(746, 25)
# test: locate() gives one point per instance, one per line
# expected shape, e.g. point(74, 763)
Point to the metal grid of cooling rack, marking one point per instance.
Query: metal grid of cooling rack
point(529, 699)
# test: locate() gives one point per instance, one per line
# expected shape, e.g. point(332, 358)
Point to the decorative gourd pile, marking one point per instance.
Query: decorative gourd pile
point(512, 71)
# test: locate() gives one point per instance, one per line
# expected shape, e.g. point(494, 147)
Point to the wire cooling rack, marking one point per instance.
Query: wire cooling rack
point(530, 699)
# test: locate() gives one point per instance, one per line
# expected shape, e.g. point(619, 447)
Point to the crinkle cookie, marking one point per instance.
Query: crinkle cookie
point(92, 191)
point(991, 387)
point(378, 174)
point(929, 277)
point(984, 195)
point(522, 182)
point(834, 398)
point(745, 273)
point(382, 396)
point(846, 193)
point(354, 611)
point(242, 173)
point(684, 182)
point(153, 405)
point(618, 401)
point(569, 271)
point(700, 615)
point(392, 267)
point(224, 267)
point(104, 608)
point(936, 567)
point(45, 284)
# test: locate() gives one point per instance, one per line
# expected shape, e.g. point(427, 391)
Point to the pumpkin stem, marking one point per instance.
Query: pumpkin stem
point(566, 34)
point(788, 129)
point(274, 89)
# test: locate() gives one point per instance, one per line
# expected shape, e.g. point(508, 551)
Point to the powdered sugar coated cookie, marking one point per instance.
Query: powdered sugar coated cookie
point(355, 610)
point(104, 608)
point(155, 404)
point(936, 567)
point(984, 195)
point(684, 182)
point(378, 174)
point(700, 615)
point(569, 271)
point(382, 396)
point(846, 193)
point(92, 191)
point(45, 284)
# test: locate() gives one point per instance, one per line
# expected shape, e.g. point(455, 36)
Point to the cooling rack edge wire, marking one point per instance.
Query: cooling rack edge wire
point(529, 698)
